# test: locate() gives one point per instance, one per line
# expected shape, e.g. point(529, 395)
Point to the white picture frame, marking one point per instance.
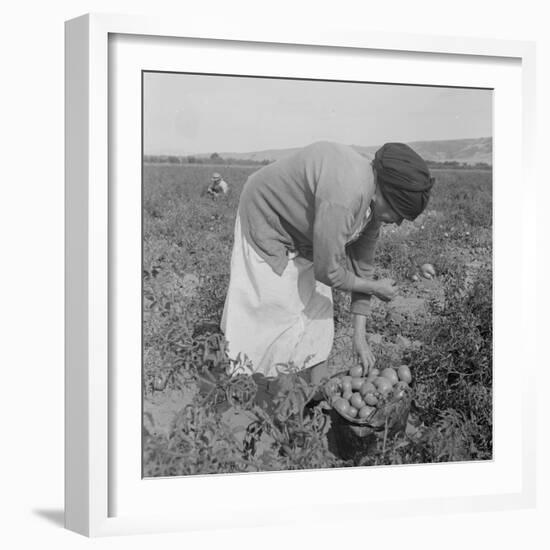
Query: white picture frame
point(91, 216)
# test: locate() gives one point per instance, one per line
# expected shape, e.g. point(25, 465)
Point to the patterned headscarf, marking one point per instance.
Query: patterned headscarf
point(403, 178)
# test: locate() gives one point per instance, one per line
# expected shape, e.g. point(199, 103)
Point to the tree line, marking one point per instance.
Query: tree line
point(455, 165)
point(214, 158)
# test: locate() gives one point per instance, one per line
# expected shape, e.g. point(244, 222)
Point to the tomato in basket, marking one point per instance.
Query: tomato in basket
point(342, 405)
point(365, 412)
point(383, 385)
point(367, 387)
point(357, 401)
point(391, 375)
point(356, 372)
point(371, 399)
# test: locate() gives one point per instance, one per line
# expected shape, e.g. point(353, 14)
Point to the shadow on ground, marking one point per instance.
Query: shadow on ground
point(57, 517)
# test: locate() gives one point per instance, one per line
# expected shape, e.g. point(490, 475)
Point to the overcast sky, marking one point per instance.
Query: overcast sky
point(186, 114)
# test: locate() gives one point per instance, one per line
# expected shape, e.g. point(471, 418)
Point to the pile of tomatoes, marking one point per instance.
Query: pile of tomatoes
point(356, 396)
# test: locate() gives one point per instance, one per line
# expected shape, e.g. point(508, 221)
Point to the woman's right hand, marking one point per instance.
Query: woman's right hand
point(385, 289)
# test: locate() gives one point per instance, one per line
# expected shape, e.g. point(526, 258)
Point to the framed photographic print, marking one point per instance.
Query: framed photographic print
point(288, 272)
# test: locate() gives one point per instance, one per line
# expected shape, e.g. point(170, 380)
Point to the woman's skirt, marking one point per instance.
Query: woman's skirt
point(273, 320)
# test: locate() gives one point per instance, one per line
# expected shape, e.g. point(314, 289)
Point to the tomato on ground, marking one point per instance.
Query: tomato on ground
point(427, 271)
point(159, 383)
point(404, 374)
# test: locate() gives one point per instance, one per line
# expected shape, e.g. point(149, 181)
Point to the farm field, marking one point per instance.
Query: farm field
point(441, 328)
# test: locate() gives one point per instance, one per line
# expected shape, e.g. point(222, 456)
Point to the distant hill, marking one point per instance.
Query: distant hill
point(469, 151)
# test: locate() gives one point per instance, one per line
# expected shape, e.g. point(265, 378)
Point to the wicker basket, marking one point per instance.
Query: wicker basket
point(353, 437)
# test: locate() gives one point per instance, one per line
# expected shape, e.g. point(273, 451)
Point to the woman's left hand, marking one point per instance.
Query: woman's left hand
point(362, 349)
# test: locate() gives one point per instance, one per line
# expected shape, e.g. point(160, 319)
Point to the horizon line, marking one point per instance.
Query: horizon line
point(300, 146)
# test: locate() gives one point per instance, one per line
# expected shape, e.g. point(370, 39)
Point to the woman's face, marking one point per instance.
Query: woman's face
point(383, 212)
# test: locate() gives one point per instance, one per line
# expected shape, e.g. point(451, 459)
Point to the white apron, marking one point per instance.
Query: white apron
point(272, 318)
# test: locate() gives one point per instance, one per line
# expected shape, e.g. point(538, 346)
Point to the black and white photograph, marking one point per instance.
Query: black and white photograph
point(275, 274)
point(317, 274)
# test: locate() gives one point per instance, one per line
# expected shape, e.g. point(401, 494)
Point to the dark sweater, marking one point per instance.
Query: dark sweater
point(315, 202)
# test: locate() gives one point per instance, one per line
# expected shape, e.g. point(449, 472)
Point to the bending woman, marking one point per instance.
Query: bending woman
point(298, 220)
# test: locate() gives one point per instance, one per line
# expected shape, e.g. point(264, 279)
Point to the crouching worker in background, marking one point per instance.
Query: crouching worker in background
point(217, 186)
point(297, 219)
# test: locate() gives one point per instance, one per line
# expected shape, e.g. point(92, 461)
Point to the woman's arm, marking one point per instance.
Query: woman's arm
point(361, 257)
point(384, 289)
point(332, 226)
point(360, 344)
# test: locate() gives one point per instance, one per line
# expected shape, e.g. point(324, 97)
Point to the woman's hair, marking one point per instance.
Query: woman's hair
point(403, 178)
